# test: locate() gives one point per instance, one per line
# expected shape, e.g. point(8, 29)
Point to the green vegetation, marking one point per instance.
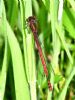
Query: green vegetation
point(21, 70)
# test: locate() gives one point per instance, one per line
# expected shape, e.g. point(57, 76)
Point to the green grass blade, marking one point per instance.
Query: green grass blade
point(61, 36)
point(3, 71)
point(68, 80)
point(68, 20)
point(3, 74)
point(21, 85)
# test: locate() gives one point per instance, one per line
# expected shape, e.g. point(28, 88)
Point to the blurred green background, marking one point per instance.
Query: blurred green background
point(21, 70)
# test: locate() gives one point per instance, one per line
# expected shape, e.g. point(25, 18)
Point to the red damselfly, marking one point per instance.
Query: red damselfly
point(31, 21)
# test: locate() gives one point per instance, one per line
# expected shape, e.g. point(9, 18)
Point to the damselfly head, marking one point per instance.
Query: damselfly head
point(31, 19)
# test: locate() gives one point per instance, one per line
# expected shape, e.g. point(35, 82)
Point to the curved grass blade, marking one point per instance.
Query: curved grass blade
point(21, 85)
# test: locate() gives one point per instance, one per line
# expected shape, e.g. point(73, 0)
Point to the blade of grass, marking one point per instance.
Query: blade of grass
point(3, 72)
point(26, 10)
point(31, 64)
point(30, 54)
point(21, 85)
point(12, 12)
point(60, 33)
point(68, 22)
point(68, 80)
point(55, 39)
point(36, 6)
point(60, 10)
point(56, 48)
